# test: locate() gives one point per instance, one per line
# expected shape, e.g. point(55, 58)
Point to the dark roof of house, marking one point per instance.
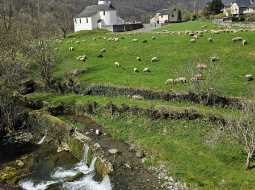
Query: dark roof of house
point(94, 9)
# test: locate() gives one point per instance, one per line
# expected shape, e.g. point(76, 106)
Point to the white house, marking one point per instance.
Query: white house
point(166, 16)
point(97, 16)
point(239, 7)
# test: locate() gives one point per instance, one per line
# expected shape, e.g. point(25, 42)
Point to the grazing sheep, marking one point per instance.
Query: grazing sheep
point(244, 42)
point(201, 66)
point(138, 59)
point(103, 50)
point(193, 40)
point(237, 39)
point(117, 64)
point(155, 59)
point(170, 81)
point(214, 59)
point(116, 39)
point(210, 40)
point(136, 70)
point(198, 77)
point(71, 49)
point(100, 55)
point(82, 58)
point(182, 80)
point(153, 38)
point(135, 40)
point(249, 77)
point(137, 97)
point(146, 70)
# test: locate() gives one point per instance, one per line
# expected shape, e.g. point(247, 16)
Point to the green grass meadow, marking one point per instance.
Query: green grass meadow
point(178, 57)
point(195, 152)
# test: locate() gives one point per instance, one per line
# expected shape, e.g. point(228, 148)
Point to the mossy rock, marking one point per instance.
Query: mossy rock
point(8, 174)
point(77, 149)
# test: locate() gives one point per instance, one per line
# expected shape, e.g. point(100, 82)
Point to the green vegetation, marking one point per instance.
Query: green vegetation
point(178, 57)
point(194, 152)
point(73, 99)
point(190, 25)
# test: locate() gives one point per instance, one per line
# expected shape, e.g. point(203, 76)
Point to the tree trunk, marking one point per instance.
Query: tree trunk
point(248, 162)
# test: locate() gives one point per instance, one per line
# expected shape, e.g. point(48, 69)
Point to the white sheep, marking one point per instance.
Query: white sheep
point(244, 42)
point(138, 59)
point(201, 66)
point(103, 50)
point(237, 39)
point(137, 97)
point(214, 59)
point(155, 59)
point(136, 70)
point(170, 81)
point(249, 77)
point(193, 40)
point(181, 80)
point(117, 64)
point(71, 48)
point(210, 39)
point(146, 70)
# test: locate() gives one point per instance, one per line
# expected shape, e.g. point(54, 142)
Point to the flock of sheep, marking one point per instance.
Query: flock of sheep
point(194, 37)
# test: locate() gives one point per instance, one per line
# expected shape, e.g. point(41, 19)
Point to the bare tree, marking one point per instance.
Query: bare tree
point(64, 17)
point(44, 57)
point(8, 111)
point(243, 130)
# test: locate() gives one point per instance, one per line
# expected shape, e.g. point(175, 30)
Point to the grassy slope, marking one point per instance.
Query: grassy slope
point(185, 150)
point(196, 153)
point(190, 25)
point(177, 56)
point(190, 152)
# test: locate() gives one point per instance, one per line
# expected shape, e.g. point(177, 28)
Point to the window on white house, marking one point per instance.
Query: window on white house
point(87, 20)
point(80, 20)
point(104, 12)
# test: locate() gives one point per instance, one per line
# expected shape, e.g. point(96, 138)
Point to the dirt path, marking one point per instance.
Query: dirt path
point(129, 172)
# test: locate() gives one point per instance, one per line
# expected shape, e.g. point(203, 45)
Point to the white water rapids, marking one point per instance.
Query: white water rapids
point(59, 174)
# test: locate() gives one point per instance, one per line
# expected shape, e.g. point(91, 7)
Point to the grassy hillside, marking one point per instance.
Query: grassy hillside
point(195, 151)
point(178, 58)
point(190, 25)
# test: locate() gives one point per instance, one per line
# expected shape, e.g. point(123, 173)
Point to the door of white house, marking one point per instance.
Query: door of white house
point(99, 23)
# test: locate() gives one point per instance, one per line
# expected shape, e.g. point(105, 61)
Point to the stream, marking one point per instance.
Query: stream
point(64, 174)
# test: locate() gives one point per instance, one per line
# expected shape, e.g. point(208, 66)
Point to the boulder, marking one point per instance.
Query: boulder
point(113, 151)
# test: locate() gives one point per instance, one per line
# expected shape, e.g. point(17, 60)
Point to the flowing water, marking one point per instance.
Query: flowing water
point(58, 176)
point(43, 138)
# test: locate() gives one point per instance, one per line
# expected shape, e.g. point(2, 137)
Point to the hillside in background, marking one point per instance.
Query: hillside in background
point(133, 9)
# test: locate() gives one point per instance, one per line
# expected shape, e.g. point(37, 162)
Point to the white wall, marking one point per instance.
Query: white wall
point(234, 9)
point(163, 19)
point(109, 17)
point(248, 11)
point(82, 24)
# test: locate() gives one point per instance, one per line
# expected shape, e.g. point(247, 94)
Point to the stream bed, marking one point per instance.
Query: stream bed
point(63, 172)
